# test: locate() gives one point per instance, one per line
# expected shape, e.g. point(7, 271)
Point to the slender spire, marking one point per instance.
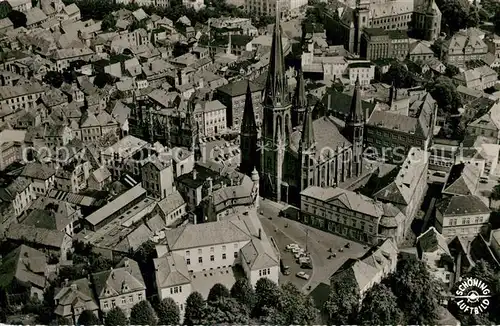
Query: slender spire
point(299, 98)
point(248, 123)
point(356, 112)
point(276, 92)
point(308, 139)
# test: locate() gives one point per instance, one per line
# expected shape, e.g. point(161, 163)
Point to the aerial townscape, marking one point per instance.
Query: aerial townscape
point(305, 162)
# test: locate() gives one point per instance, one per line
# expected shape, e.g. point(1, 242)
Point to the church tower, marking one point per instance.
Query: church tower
point(355, 126)
point(299, 101)
point(360, 22)
point(248, 137)
point(307, 152)
point(276, 124)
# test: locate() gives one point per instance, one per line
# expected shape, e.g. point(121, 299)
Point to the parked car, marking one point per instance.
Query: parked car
point(291, 246)
point(300, 254)
point(302, 275)
point(296, 250)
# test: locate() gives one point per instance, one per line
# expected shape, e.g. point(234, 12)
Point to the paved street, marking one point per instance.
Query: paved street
point(318, 244)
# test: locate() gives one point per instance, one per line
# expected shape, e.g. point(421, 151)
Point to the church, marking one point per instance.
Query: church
point(298, 146)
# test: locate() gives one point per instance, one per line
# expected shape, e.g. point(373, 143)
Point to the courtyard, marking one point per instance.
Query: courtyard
point(317, 242)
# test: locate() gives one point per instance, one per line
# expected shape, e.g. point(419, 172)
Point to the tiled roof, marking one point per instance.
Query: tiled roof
point(462, 205)
point(39, 236)
point(463, 179)
point(345, 198)
point(79, 292)
point(171, 269)
point(432, 241)
point(24, 264)
point(401, 190)
point(124, 279)
point(37, 171)
point(171, 202)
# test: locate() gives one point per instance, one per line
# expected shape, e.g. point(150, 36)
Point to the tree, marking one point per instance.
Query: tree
point(451, 71)
point(17, 18)
point(194, 311)
point(225, 310)
point(142, 314)
point(267, 294)
point(298, 309)
point(102, 79)
point(108, 22)
point(271, 316)
point(243, 292)
point(5, 9)
point(495, 193)
point(54, 78)
point(137, 25)
point(445, 93)
point(454, 15)
point(380, 307)
point(343, 301)
point(87, 317)
point(473, 18)
point(398, 75)
point(484, 272)
point(416, 291)
point(168, 312)
point(217, 292)
point(115, 317)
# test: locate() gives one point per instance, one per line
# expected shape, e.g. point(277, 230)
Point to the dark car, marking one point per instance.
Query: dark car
point(348, 245)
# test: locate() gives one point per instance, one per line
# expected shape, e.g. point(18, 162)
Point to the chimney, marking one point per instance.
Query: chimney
point(126, 262)
point(195, 174)
point(260, 233)
point(74, 287)
point(66, 282)
point(112, 274)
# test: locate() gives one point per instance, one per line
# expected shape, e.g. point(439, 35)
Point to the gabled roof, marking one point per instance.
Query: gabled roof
point(124, 279)
point(78, 293)
point(463, 179)
point(25, 264)
point(37, 171)
point(432, 241)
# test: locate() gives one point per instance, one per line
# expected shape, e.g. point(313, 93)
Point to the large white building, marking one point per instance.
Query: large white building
point(268, 7)
point(195, 257)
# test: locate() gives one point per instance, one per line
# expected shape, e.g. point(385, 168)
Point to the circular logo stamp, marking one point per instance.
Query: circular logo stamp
point(472, 296)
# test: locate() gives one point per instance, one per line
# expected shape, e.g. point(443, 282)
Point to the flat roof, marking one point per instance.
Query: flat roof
point(115, 205)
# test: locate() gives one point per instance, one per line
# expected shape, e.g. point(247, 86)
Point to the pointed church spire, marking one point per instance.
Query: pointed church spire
point(356, 112)
point(299, 97)
point(248, 123)
point(308, 139)
point(276, 92)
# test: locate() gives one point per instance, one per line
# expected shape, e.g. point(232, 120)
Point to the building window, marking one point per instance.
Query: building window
point(235, 254)
point(139, 296)
point(187, 253)
point(223, 248)
point(105, 304)
point(188, 261)
point(130, 298)
point(200, 260)
point(211, 249)
point(113, 303)
point(211, 257)
point(223, 256)
point(200, 251)
point(124, 300)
